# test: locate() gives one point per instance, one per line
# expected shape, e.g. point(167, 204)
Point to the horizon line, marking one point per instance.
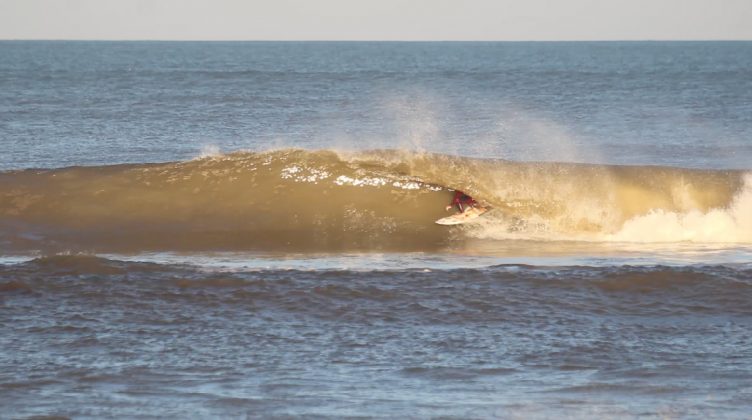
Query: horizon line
point(368, 40)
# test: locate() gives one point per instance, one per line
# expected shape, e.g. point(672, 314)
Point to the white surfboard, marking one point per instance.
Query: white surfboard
point(459, 218)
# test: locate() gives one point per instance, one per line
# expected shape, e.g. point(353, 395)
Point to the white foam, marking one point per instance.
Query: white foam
point(408, 185)
point(305, 174)
point(728, 225)
point(359, 182)
point(732, 224)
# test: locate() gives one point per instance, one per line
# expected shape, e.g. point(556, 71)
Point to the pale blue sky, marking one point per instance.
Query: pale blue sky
point(376, 19)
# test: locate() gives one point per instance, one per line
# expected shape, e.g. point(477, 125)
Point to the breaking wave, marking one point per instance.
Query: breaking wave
point(378, 200)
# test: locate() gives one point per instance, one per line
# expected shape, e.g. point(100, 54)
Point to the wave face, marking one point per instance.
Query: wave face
point(379, 200)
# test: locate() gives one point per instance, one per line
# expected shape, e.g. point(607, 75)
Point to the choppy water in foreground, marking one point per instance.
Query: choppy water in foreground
point(281, 260)
point(91, 337)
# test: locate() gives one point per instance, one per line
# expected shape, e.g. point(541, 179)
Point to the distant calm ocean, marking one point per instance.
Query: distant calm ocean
point(246, 229)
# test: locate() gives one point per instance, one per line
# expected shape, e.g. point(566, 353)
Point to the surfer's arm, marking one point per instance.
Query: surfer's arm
point(455, 202)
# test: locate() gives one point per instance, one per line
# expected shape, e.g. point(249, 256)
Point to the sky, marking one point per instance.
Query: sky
point(408, 20)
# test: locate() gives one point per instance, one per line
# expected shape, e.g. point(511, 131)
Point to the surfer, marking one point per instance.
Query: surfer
point(462, 201)
point(469, 210)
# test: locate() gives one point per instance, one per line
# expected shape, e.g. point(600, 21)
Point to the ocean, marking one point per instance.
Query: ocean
point(246, 230)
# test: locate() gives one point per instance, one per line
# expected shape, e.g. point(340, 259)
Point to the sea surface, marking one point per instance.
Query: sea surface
point(246, 230)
